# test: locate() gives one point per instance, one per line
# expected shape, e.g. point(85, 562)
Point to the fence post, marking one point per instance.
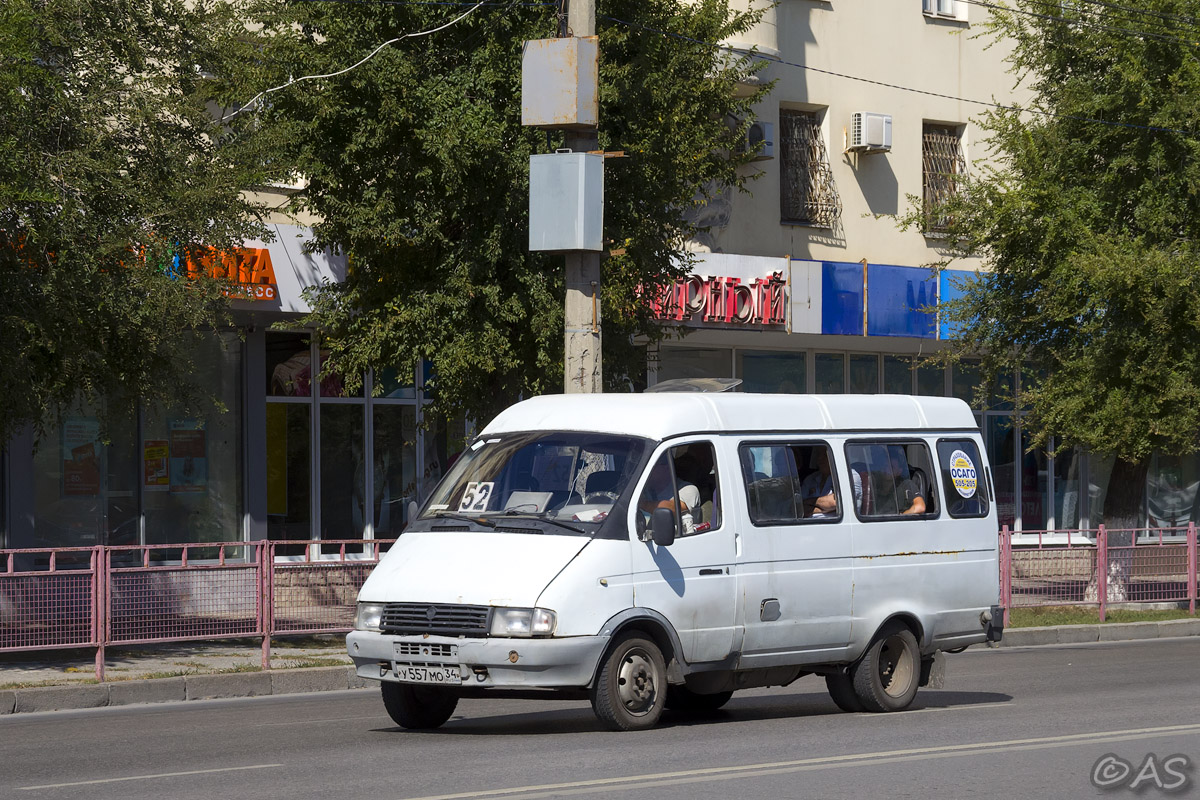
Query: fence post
point(1102, 570)
point(1191, 567)
point(266, 559)
point(100, 606)
point(1005, 572)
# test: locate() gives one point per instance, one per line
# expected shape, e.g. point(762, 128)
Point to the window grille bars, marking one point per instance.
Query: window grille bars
point(807, 192)
point(944, 169)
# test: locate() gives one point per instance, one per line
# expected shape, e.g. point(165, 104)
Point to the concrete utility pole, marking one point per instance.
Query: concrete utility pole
point(582, 366)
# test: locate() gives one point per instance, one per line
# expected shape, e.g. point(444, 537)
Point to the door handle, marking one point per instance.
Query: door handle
point(712, 572)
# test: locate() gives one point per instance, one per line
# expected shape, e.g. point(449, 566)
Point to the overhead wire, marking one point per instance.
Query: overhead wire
point(359, 63)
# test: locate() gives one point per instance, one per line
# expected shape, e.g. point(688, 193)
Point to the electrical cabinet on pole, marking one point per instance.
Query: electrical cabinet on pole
point(559, 91)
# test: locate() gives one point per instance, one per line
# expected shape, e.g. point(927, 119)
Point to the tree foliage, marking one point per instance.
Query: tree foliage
point(1089, 221)
point(110, 166)
point(418, 166)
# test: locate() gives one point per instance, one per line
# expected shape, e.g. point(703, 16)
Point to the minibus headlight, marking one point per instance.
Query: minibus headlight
point(523, 622)
point(368, 617)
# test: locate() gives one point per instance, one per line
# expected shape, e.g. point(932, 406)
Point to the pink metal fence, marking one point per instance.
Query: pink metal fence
point(104, 596)
point(1099, 568)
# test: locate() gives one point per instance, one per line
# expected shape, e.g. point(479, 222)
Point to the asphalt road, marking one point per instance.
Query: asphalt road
point(1012, 723)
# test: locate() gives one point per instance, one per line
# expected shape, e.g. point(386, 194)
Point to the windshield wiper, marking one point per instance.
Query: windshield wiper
point(487, 523)
point(540, 518)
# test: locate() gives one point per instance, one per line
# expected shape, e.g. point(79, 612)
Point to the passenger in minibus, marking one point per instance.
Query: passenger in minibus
point(908, 496)
point(820, 501)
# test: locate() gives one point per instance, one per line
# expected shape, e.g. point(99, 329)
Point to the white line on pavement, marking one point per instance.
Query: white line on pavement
point(147, 777)
point(826, 762)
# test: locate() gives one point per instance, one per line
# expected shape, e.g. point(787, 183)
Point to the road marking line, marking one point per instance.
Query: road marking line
point(825, 762)
point(147, 777)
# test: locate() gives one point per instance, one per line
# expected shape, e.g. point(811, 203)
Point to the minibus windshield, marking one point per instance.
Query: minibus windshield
point(560, 476)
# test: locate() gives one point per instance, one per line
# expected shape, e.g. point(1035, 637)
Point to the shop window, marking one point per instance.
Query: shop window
point(192, 464)
point(85, 483)
point(395, 467)
point(807, 193)
point(694, 362)
point(931, 380)
point(897, 375)
point(343, 471)
point(963, 480)
point(787, 484)
point(830, 373)
point(684, 480)
point(289, 365)
point(864, 373)
point(765, 371)
point(892, 480)
point(289, 471)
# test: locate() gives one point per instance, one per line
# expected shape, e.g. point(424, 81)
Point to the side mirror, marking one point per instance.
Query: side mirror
point(413, 509)
point(662, 526)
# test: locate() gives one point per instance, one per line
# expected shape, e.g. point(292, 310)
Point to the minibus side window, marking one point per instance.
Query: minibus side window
point(789, 483)
point(891, 480)
point(963, 479)
point(684, 479)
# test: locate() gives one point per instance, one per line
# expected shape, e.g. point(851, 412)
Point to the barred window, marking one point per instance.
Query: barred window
point(944, 170)
point(807, 194)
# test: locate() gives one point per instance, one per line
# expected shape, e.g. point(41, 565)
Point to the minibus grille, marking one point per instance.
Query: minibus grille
point(436, 618)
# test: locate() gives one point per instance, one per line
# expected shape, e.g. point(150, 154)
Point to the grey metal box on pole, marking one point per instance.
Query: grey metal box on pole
point(566, 202)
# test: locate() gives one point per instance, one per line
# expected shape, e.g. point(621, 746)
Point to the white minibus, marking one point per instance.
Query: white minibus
point(651, 551)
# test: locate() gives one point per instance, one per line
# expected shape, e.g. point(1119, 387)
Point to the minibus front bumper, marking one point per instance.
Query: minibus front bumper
point(499, 662)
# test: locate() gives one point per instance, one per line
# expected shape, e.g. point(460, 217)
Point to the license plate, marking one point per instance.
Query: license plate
point(429, 673)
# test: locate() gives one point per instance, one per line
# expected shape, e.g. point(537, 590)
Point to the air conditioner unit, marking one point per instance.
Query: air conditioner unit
point(870, 132)
point(764, 132)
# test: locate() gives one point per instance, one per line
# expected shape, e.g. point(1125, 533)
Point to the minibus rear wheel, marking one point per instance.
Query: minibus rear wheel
point(631, 689)
point(417, 707)
point(887, 676)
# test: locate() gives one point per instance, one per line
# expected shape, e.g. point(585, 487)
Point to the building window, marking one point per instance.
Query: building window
point(944, 169)
point(807, 195)
point(949, 9)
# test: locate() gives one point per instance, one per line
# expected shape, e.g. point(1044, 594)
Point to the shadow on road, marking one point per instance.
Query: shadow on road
point(578, 718)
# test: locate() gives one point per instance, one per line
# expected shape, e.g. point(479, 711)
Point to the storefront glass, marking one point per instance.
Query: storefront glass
point(289, 470)
point(85, 483)
point(931, 380)
point(192, 466)
point(1068, 504)
point(770, 371)
point(830, 373)
point(1035, 486)
point(289, 365)
point(694, 362)
point(395, 473)
point(1001, 448)
point(864, 373)
point(897, 375)
point(343, 471)
point(1172, 490)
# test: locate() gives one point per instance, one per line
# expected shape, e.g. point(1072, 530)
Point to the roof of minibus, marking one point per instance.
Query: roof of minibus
point(665, 414)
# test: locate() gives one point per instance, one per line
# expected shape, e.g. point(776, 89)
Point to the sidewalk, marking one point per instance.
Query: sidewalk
point(66, 679)
point(61, 680)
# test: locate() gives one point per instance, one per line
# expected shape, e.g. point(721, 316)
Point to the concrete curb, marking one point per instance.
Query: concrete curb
point(1109, 632)
point(188, 687)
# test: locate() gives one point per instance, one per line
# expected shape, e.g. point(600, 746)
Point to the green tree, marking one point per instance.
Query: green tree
point(111, 166)
point(418, 166)
point(1089, 222)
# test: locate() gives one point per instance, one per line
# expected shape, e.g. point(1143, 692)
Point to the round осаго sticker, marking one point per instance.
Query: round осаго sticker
point(962, 473)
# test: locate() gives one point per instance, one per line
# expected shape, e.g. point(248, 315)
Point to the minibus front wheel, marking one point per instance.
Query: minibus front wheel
point(887, 676)
point(631, 689)
point(416, 707)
